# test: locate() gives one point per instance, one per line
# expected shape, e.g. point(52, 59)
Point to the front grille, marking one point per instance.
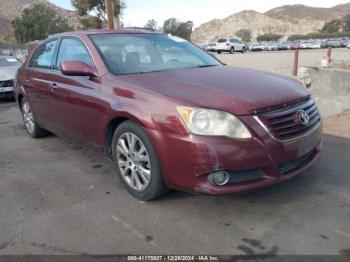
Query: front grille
point(7, 83)
point(245, 176)
point(292, 165)
point(283, 122)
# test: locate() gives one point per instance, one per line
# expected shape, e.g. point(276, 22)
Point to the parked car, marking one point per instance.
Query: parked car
point(8, 70)
point(272, 46)
point(283, 46)
point(211, 47)
point(180, 120)
point(333, 43)
point(348, 45)
point(344, 41)
point(295, 46)
point(316, 44)
point(306, 45)
point(230, 45)
point(257, 47)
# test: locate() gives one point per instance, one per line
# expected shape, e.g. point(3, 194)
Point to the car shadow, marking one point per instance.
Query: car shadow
point(6, 100)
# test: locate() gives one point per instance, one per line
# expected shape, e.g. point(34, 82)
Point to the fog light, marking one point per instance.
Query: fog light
point(220, 178)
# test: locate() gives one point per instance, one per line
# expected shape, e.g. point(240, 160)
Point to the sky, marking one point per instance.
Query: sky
point(138, 12)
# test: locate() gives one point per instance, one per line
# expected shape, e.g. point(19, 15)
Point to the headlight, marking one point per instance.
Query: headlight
point(208, 122)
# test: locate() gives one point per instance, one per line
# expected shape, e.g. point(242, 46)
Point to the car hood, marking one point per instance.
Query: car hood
point(8, 72)
point(236, 90)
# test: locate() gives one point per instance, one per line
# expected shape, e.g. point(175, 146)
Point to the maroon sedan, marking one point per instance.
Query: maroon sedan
point(167, 113)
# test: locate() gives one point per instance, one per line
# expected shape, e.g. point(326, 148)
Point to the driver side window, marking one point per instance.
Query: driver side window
point(72, 49)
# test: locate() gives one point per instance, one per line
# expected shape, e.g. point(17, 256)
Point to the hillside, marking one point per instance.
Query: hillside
point(13, 8)
point(295, 12)
point(286, 20)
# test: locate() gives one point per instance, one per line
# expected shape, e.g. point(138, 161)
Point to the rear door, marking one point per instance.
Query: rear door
point(238, 45)
point(77, 111)
point(38, 81)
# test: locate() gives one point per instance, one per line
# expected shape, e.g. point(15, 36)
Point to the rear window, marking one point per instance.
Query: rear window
point(9, 61)
point(222, 40)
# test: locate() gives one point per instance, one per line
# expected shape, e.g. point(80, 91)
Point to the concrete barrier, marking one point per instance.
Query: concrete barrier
point(329, 86)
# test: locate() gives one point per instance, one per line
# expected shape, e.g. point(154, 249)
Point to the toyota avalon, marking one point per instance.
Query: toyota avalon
point(167, 113)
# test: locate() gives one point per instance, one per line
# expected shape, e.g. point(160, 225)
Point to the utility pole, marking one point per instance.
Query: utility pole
point(109, 12)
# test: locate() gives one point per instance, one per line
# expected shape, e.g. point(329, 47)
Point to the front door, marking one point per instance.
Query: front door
point(77, 111)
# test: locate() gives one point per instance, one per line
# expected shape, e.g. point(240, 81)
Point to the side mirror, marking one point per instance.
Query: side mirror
point(77, 68)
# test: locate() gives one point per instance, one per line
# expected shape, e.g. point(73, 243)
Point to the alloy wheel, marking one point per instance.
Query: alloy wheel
point(28, 117)
point(133, 161)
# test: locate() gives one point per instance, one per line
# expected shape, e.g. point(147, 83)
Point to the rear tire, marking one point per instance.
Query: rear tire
point(232, 50)
point(31, 125)
point(137, 163)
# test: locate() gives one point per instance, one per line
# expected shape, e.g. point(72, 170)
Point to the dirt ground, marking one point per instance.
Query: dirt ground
point(281, 61)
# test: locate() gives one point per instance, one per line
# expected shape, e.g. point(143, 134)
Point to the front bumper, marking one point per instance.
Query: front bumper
point(6, 88)
point(188, 160)
point(223, 48)
point(7, 93)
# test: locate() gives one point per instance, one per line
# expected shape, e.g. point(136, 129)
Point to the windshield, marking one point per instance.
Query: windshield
point(222, 40)
point(9, 61)
point(144, 53)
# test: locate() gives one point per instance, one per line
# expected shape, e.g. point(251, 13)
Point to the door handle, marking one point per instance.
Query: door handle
point(53, 85)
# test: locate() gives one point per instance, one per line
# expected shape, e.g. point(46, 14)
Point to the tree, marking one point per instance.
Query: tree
point(346, 21)
point(84, 7)
point(297, 37)
point(184, 30)
point(269, 37)
point(151, 25)
point(245, 35)
point(170, 25)
point(333, 26)
point(318, 35)
point(38, 22)
point(175, 27)
point(91, 22)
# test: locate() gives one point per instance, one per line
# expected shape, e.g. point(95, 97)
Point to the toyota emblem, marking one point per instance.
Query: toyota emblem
point(303, 117)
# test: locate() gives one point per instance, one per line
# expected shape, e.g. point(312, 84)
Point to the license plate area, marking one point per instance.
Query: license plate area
point(6, 89)
point(303, 145)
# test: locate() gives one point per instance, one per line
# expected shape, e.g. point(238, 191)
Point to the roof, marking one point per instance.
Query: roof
point(106, 31)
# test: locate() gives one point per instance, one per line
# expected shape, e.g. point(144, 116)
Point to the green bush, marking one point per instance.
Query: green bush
point(318, 35)
point(269, 37)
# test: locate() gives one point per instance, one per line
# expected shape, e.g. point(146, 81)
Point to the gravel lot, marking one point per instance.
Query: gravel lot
point(59, 198)
point(282, 61)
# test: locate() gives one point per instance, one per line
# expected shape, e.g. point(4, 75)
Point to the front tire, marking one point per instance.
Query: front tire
point(31, 125)
point(232, 50)
point(137, 163)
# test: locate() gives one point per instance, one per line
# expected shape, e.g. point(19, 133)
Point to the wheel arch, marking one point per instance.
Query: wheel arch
point(112, 125)
point(19, 99)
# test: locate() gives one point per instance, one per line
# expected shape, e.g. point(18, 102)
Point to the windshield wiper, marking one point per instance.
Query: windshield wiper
point(201, 66)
